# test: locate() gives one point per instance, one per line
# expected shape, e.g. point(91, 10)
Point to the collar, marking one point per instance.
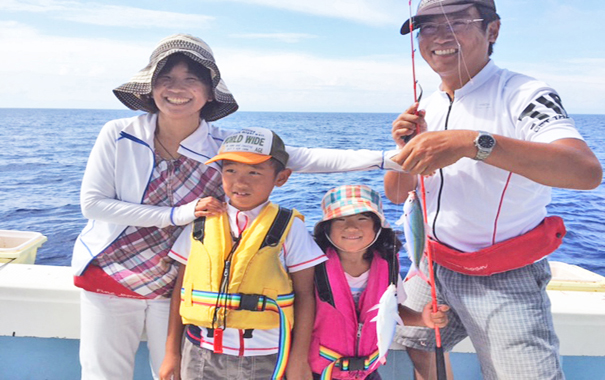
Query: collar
point(240, 220)
point(476, 82)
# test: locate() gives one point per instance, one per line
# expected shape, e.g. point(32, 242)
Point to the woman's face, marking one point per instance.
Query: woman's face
point(179, 93)
point(353, 233)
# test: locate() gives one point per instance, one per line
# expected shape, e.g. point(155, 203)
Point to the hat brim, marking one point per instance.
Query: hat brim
point(353, 209)
point(433, 11)
point(242, 157)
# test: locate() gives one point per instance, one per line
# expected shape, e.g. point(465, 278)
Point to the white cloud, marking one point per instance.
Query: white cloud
point(283, 37)
point(108, 15)
point(281, 81)
point(370, 12)
point(63, 72)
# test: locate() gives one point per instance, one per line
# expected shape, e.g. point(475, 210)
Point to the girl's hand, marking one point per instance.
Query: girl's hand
point(209, 206)
point(298, 370)
point(437, 319)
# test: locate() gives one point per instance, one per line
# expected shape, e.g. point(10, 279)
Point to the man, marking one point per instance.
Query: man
point(495, 144)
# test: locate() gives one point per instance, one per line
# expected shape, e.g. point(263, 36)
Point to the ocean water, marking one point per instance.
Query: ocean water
point(44, 152)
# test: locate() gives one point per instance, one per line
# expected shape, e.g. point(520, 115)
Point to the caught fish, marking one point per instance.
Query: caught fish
point(386, 321)
point(413, 230)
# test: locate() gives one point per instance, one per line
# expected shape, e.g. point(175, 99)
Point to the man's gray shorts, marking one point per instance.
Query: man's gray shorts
point(507, 316)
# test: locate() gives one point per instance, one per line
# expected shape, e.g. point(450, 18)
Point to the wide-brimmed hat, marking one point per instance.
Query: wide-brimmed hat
point(136, 94)
point(350, 200)
point(252, 146)
point(438, 7)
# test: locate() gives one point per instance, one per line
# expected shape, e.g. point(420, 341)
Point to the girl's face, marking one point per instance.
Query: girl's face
point(179, 93)
point(353, 233)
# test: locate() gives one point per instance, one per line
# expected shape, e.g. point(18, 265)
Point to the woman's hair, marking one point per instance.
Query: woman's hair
point(197, 69)
point(201, 72)
point(386, 245)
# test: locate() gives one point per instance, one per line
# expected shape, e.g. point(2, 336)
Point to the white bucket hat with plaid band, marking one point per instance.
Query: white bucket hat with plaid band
point(350, 200)
point(136, 94)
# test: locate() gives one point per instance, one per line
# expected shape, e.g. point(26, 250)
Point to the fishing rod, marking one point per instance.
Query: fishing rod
point(439, 355)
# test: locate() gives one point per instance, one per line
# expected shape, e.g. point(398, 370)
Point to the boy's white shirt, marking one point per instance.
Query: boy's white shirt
point(299, 252)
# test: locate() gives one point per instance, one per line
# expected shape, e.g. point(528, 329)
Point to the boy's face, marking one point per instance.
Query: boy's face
point(249, 186)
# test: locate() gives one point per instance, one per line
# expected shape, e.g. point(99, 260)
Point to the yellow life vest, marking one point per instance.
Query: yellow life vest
point(256, 281)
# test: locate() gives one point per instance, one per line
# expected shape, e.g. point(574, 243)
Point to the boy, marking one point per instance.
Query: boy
point(248, 275)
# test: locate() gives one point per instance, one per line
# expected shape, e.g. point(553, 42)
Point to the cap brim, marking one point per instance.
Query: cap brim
point(433, 11)
point(242, 157)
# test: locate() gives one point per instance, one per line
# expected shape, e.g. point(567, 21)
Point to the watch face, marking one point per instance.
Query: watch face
point(486, 142)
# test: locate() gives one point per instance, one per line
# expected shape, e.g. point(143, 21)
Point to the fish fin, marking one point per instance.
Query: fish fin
point(423, 276)
point(374, 307)
point(399, 320)
point(401, 220)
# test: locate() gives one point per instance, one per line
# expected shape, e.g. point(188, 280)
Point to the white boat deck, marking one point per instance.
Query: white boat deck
point(39, 327)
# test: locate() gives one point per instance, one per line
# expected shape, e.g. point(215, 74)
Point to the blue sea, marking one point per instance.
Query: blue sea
point(44, 152)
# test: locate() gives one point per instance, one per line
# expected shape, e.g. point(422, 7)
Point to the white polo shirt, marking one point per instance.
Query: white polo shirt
point(472, 205)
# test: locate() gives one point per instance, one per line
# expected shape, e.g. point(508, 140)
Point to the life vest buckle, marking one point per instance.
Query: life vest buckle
point(250, 302)
point(355, 363)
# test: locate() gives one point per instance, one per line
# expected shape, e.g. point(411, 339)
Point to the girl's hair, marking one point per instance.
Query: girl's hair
point(197, 69)
point(386, 245)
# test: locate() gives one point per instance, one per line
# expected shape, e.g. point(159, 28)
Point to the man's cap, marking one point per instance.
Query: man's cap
point(252, 146)
point(439, 7)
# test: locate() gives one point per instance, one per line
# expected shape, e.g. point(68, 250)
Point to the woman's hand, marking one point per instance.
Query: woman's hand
point(209, 206)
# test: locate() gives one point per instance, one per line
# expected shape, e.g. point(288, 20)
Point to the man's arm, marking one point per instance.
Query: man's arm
point(304, 317)
point(565, 163)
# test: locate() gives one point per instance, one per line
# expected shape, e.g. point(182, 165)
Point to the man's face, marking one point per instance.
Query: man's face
point(457, 55)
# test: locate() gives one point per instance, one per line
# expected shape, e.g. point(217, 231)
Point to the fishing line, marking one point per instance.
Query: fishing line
point(460, 55)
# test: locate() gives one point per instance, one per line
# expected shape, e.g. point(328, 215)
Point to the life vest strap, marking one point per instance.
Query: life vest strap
point(198, 229)
point(238, 301)
point(345, 363)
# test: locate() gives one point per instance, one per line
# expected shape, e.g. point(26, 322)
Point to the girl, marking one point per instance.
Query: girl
point(362, 261)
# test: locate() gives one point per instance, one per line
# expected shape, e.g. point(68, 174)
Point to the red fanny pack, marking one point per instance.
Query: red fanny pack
point(507, 255)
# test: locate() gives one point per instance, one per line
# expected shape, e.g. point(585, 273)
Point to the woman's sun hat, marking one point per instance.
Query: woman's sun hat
point(350, 200)
point(136, 94)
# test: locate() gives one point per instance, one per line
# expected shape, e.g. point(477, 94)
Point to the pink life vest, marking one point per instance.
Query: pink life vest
point(339, 336)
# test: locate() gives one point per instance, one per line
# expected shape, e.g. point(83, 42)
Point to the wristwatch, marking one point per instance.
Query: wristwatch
point(485, 143)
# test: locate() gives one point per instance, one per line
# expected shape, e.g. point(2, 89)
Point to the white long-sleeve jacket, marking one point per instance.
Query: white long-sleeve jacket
point(121, 164)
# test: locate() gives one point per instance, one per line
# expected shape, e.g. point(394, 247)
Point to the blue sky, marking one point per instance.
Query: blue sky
point(282, 55)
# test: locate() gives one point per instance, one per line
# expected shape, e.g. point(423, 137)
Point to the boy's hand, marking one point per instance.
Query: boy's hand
point(209, 206)
point(170, 368)
point(438, 319)
point(407, 124)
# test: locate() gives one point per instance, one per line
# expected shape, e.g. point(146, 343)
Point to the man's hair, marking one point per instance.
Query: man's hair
point(488, 15)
